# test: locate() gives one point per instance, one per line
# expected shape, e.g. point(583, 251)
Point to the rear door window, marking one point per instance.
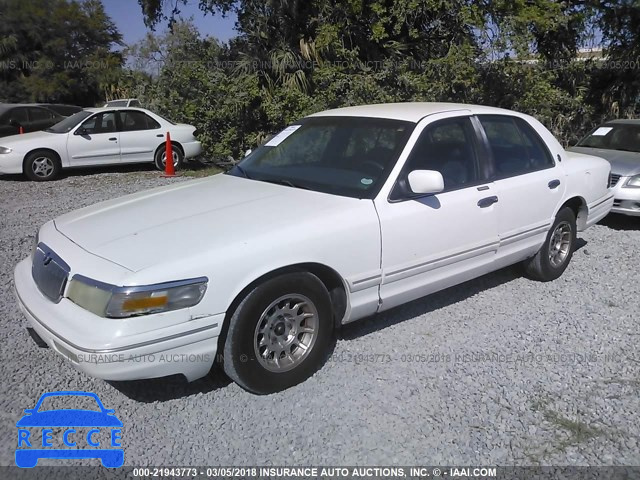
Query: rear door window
point(516, 147)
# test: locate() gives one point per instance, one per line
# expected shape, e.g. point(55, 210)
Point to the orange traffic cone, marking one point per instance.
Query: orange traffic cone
point(169, 170)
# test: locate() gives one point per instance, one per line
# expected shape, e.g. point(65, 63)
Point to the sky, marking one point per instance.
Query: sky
point(127, 15)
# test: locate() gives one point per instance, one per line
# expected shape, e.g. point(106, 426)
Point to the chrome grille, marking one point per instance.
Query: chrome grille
point(613, 179)
point(49, 272)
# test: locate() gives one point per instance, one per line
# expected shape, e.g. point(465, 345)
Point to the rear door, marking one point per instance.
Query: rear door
point(140, 135)
point(528, 183)
point(95, 141)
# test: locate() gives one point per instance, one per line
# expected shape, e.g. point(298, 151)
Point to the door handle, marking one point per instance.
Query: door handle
point(554, 184)
point(487, 202)
point(113, 139)
point(160, 135)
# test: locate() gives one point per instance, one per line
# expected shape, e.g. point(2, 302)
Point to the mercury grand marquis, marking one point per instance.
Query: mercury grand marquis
point(344, 214)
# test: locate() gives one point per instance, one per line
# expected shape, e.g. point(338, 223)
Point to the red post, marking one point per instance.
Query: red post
point(169, 170)
point(21, 130)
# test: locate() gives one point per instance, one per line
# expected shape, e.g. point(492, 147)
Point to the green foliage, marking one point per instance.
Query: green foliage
point(56, 50)
point(295, 57)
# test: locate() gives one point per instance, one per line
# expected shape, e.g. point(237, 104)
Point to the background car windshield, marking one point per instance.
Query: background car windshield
point(68, 402)
point(614, 137)
point(350, 156)
point(68, 123)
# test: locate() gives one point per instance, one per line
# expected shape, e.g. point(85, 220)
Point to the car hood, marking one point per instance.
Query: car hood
point(622, 163)
point(69, 418)
point(189, 218)
point(15, 141)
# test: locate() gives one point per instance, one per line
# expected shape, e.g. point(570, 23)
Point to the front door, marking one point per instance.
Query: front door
point(94, 142)
point(432, 242)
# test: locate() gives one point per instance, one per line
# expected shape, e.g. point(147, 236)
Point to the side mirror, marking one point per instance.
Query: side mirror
point(81, 131)
point(425, 181)
point(247, 153)
point(29, 411)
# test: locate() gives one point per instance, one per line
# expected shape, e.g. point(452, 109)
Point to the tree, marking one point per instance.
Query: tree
point(56, 51)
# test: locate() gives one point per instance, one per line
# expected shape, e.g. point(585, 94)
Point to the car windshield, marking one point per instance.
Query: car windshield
point(349, 156)
point(612, 136)
point(68, 123)
point(69, 402)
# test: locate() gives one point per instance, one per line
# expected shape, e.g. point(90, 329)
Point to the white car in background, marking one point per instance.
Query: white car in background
point(342, 215)
point(123, 102)
point(97, 136)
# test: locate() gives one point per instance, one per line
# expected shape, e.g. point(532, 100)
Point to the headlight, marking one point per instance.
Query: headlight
point(633, 182)
point(121, 302)
point(5, 150)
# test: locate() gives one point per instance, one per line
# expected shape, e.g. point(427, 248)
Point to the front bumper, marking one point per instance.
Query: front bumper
point(10, 163)
point(627, 200)
point(187, 348)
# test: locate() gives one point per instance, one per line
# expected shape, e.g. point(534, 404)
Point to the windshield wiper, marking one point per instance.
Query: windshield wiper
point(282, 181)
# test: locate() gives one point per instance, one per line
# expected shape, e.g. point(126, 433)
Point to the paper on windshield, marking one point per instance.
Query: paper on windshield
point(282, 136)
point(602, 131)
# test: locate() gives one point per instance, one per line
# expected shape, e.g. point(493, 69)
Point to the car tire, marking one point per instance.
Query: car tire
point(161, 155)
point(42, 165)
point(288, 317)
point(555, 254)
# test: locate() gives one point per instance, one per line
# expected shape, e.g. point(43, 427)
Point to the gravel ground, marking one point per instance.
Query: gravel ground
point(500, 370)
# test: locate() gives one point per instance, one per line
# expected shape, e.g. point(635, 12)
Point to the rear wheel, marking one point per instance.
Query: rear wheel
point(42, 165)
point(554, 256)
point(279, 334)
point(160, 158)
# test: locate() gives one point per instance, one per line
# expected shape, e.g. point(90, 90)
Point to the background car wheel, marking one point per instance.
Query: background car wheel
point(42, 165)
point(553, 258)
point(279, 334)
point(161, 157)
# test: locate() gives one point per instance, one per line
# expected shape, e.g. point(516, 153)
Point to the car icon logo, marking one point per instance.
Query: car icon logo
point(69, 433)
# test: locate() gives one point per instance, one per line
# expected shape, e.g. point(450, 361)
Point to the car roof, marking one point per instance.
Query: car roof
point(6, 106)
point(624, 121)
point(409, 111)
point(110, 109)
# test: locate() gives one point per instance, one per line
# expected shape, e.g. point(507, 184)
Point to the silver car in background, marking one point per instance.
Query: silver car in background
point(618, 141)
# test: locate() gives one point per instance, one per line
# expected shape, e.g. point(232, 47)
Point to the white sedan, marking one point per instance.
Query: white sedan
point(342, 215)
point(97, 136)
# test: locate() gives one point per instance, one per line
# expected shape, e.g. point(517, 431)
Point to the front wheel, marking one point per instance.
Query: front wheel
point(42, 165)
point(279, 334)
point(160, 158)
point(555, 254)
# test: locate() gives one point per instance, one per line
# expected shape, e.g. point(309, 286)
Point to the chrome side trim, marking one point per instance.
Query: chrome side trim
point(136, 288)
point(508, 240)
point(374, 277)
point(432, 264)
point(365, 282)
point(115, 349)
point(606, 199)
